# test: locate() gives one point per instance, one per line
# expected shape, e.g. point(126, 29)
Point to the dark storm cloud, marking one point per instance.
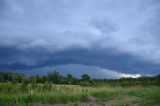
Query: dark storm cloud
point(106, 59)
point(116, 35)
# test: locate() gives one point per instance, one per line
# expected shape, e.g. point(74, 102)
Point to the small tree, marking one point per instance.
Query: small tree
point(44, 79)
point(85, 77)
point(54, 77)
point(69, 79)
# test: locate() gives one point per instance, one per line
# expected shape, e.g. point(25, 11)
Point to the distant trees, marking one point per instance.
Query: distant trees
point(12, 77)
point(44, 79)
point(85, 77)
point(56, 78)
point(69, 79)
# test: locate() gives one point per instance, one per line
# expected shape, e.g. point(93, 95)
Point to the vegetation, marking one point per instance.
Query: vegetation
point(21, 90)
point(55, 78)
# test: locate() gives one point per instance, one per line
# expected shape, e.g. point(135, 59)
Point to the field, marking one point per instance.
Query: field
point(17, 94)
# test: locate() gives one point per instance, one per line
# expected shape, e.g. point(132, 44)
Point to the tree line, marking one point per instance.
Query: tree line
point(85, 80)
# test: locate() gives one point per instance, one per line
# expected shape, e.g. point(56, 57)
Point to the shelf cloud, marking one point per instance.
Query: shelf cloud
point(115, 35)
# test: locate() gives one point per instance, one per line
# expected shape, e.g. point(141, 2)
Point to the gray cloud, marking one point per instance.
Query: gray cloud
point(104, 25)
point(39, 32)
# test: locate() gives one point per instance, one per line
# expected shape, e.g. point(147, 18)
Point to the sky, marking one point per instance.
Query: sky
point(103, 38)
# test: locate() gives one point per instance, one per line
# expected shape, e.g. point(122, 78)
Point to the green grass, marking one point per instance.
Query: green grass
point(119, 104)
point(148, 95)
point(11, 94)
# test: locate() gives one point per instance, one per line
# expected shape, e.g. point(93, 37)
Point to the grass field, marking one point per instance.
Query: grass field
point(74, 95)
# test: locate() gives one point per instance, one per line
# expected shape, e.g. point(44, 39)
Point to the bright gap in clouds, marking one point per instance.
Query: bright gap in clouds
point(117, 75)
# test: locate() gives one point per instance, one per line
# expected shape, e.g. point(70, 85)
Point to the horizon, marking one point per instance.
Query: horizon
point(134, 76)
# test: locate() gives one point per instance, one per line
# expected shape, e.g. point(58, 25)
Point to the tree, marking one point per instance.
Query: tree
point(44, 79)
point(69, 79)
point(85, 77)
point(38, 79)
point(54, 77)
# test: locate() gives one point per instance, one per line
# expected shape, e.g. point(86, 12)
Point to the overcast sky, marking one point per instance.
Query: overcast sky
point(105, 38)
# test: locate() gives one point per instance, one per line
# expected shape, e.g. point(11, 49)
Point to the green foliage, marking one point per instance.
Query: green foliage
point(47, 86)
point(25, 84)
point(105, 94)
point(69, 79)
point(13, 94)
point(56, 78)
point(18, 89)
point(85, 77)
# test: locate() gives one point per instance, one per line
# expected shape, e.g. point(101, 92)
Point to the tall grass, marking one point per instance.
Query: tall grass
point(147, 95)
point(11, 94)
